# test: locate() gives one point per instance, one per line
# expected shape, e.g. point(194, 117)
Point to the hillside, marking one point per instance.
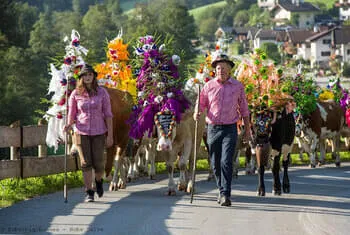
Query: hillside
point(196, 12)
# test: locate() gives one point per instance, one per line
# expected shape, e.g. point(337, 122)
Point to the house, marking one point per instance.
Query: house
point(334, 41)
point(268, 4)
point(295, 45)
point(344, 9)
point(298, 12)
point(261, 36)
point(223, 32)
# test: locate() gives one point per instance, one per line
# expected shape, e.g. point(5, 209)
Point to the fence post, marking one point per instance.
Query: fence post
point(42, 148)
point(15, 151)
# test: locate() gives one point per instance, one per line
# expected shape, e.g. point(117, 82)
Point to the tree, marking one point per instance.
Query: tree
point(98, 28)
point(207, 28)
point(271, 51)
point(176, 21)
point(241, 18)
point(65, 22)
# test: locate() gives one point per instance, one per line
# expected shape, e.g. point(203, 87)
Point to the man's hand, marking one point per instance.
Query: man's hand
point(196, 116)
point(67, 128)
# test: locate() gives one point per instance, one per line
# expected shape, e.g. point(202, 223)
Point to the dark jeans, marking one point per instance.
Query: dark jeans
point(221, 142)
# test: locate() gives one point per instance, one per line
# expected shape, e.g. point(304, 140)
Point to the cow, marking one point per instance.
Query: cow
point(326, 121)
point(122, 103)
point(180, 145)
point(273, 136)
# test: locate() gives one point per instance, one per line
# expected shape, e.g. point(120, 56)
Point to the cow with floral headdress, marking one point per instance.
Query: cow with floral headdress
point(271, 116)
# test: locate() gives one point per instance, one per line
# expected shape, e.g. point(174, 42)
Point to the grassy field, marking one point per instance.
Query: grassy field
point(15, 190)
point(127, 5)
point(329, 3)
point(196, 12)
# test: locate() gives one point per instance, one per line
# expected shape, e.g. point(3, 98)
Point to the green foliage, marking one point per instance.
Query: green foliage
point(236, 48)
point(207, 28)
point(271, 51)
point(305, 93)
point(209, 10)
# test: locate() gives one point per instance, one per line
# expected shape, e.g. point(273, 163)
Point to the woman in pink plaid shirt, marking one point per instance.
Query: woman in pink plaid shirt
point(225, 102)
point(89, 108)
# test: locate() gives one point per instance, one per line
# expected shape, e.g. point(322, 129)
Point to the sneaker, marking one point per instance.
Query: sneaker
point(99, 187)
point(225, 201)
point(90, 196)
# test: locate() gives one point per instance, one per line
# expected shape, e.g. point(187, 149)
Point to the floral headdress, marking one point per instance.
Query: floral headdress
point(262, 81)
point(159, 86)
point(117, 72)
point(61, 85)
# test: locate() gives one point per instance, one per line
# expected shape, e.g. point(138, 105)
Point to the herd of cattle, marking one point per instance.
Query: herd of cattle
point(273, 135)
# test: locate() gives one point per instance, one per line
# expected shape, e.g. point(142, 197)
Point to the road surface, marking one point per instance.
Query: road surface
point(319, 203)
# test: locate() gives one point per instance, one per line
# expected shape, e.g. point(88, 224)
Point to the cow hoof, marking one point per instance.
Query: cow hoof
point(113, 187)
point(312, 165)
point(181, 187)
point(320, 163)
point(276, 192)
point(261, 192)
point(129, 179)
point(121, 185)
point(151, 177)
point(286, 189)
point(337, 164)
point(171, 192)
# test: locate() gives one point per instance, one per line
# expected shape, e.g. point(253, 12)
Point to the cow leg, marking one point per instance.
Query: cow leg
point(262, 158)
point(276, 156)
point(286, 185)
point(236, 164)
point(150, 158)
point(250, 155)
point(171, 183)
point(118, 168)
point(335, 150)
point(313, 153)
point(211, 173)
point(322, 144)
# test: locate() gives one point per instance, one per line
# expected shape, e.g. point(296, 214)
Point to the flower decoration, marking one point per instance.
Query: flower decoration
point(157, 76)
point(305, 92)
point(262, 81)
point(61, 86)
point(117, 72)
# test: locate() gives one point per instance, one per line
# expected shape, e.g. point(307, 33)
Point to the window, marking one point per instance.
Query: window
point(326, 41)
point(325, 53)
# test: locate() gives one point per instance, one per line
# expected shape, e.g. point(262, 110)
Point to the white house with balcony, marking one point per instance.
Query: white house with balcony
point(344, 9)
point(326, 43)
point(267, 4)
point(295, 11)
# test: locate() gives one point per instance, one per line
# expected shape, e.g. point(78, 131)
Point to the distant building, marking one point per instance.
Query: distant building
point(268, 4)
point(344, 9)
point(302, 13)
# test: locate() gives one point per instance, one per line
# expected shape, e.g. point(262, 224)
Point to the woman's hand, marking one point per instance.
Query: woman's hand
point(109, 141)
point(67, 128)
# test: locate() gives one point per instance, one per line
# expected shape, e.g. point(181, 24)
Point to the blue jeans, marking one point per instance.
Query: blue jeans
point(222, 142)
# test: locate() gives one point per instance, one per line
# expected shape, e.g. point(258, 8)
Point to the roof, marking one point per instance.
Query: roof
point(302, 7)
point(299, 36)
point(267, 34)
point(341, 35)
point(243, 30)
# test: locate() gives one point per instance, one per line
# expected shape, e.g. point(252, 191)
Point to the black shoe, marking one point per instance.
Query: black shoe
point(225, 201)
point(99, 187)
point(90, 196)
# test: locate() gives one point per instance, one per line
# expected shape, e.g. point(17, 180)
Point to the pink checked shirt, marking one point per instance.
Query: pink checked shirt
point(226, 103)
point(89, 113)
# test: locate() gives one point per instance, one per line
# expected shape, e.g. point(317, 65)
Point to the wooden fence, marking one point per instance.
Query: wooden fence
point(19, 137)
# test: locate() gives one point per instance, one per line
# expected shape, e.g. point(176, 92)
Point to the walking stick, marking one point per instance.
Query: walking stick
point(195, 146)
point(65, 193)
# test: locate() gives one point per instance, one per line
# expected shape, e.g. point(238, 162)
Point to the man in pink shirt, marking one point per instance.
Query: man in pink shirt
point(225, 102)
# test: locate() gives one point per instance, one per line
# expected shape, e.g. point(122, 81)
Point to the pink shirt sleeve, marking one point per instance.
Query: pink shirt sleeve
point(106, 104)
point(72, 108)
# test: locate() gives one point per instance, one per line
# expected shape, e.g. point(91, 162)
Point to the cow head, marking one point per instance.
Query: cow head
point(166, 130)
point(261, 126)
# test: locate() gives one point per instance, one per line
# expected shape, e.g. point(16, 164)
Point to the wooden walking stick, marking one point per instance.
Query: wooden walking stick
point(65, 192)
point(195, 145)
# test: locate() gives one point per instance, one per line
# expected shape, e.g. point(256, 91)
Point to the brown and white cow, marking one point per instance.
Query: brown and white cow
point(121, 103)
point(180, 145)
point(325, 122)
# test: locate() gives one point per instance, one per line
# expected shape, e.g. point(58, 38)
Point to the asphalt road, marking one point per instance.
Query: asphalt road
point(319, 203)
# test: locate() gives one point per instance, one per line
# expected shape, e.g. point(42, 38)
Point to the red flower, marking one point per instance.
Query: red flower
point(207, 79)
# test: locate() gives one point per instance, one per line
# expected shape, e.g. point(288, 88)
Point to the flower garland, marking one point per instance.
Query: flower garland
point(116, 72)
point(62, 84)
point(159, 86)
point(160, 127)
point(262, 83)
